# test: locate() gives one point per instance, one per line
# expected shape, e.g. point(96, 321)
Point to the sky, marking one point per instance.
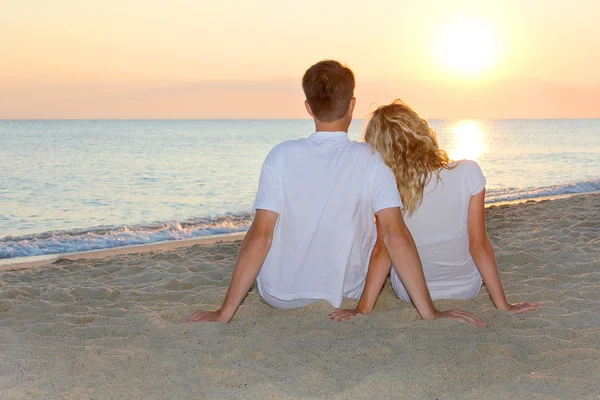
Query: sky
point(245, 59)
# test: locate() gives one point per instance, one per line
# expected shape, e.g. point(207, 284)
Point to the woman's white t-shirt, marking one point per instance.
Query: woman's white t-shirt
point(439, 228)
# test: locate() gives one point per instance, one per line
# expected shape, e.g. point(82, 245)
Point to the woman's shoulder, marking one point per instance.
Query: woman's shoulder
point(471, 174)
point(467, 167)
point(464, 164)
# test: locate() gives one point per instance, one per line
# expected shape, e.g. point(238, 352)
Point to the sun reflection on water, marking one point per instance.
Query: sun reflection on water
point(468, 141)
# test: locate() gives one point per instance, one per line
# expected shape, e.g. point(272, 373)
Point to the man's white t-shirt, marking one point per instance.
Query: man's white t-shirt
point(325, 189)
point(439, 228)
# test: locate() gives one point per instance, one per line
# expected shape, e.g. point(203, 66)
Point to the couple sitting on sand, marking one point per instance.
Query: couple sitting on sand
point(313, 236)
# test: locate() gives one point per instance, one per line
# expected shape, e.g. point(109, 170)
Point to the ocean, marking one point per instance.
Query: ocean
point(77, 185)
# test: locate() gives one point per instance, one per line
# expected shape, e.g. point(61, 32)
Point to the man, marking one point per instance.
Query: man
point(313, 231)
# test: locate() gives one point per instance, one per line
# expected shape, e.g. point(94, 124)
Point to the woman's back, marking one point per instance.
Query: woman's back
point(439, 228)
point(445, 213)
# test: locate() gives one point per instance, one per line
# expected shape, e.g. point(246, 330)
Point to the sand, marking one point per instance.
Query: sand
point(107, 328)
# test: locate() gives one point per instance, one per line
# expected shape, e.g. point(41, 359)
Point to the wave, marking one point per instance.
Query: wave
point(77, 240)
point(518, 194)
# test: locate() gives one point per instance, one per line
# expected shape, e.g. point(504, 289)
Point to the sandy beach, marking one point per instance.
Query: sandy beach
point(106, 328)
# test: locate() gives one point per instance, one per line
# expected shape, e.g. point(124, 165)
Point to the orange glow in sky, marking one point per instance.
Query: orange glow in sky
point(239, 59)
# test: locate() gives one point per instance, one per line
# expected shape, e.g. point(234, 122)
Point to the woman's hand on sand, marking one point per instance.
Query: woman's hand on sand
point(343, 314)
point(205, 316)
point(518, 308)
point(460, 315)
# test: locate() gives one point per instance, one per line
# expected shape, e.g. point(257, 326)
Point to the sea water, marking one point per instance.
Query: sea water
point(76, 185)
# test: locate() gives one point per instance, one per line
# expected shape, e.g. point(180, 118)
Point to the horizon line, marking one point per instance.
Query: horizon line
point(290, 119)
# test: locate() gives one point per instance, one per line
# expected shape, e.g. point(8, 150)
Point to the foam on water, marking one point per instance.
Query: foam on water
point(59, 242)
point(516, 194)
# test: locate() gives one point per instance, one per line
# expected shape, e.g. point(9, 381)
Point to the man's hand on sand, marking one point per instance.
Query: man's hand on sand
point(460, 315)
point(342, 314)
point(518, 308)
point(204, 316)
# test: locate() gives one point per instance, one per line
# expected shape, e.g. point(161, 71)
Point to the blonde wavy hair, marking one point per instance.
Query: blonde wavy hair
point(409, 147)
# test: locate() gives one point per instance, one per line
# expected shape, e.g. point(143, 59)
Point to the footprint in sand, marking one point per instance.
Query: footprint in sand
point(82, 319)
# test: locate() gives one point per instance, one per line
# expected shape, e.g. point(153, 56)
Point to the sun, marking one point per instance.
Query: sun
point(468, 47)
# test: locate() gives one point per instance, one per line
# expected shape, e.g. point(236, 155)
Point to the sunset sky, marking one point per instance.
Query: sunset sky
point(245, 59)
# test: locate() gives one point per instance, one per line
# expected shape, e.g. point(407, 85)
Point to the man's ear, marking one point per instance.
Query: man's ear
point(308, 108)
point(351, 107)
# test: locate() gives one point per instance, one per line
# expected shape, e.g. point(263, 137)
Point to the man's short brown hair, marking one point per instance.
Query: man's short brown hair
point(328, 87)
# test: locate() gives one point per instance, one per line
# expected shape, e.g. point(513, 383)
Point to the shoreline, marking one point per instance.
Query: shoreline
point(39, 261)
point(18, 263)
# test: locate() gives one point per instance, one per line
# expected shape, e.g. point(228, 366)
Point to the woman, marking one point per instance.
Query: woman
point(443, 209)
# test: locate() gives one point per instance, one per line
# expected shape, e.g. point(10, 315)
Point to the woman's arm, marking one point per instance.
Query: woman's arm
point(379, 268)
point(485, 260)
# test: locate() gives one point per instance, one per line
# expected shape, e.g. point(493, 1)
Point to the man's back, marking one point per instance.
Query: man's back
point(325, 190)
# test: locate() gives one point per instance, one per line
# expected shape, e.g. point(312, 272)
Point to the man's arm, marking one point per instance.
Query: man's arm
point(252, 255)
point(403, 252)
point(485, 260)
point(379, 268)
